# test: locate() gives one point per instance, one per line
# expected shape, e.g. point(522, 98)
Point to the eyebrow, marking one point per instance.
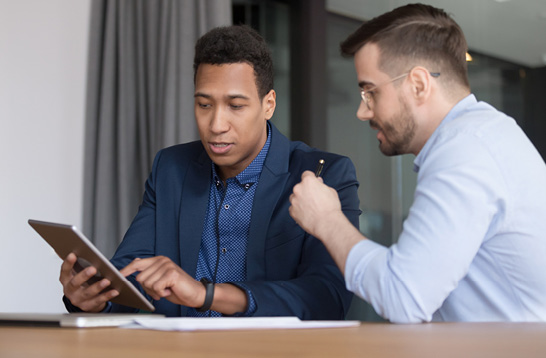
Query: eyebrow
point(363, 84)
point(229, 96)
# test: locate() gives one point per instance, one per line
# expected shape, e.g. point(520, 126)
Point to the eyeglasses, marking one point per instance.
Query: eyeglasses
point(367, 96)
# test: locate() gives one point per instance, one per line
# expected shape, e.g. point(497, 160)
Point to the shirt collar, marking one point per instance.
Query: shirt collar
point(254, 169)
point(455, 112)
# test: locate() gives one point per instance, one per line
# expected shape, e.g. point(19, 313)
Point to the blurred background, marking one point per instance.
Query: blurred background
point(91, 89)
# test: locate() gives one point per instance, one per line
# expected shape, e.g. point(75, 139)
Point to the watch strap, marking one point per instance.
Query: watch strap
point(209, 295)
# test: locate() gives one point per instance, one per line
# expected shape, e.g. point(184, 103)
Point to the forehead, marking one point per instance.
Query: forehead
point(225, 79)
point(366, 62)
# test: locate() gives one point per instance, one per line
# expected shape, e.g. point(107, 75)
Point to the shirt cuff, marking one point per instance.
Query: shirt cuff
point(252, 306)
point(357, 261)
point(74, 309)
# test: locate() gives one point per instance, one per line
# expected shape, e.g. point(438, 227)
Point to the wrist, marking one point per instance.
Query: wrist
point(229, 299)
point(209, 295)
point(329, 226)
point(98, 309)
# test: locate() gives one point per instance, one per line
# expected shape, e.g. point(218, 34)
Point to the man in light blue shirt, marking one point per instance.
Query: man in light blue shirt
point(473, 247)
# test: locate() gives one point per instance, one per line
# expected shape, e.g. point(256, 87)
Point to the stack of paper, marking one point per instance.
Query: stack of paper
point(234, 323)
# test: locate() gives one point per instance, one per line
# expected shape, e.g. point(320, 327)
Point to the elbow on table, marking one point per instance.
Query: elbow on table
point(402, 314)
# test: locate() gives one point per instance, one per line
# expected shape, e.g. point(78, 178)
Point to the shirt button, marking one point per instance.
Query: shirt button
point(226, 206)
point(224, 250)
point(247, 186)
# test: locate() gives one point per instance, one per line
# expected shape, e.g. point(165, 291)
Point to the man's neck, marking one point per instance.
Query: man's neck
point(433, 115)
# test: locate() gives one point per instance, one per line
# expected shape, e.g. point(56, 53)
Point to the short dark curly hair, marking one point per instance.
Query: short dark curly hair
point(236, 44)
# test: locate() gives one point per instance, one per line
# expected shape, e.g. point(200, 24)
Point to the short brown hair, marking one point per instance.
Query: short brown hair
point(413, 34)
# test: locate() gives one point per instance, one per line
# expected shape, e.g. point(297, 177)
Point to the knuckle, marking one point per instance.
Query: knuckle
point(71, 285)
point(163, 260)
point(156, 286)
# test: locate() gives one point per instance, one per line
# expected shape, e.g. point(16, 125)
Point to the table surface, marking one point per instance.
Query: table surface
point(367, 340)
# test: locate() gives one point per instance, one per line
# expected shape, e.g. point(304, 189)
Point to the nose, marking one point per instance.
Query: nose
point(364, 113)
point(219, 122)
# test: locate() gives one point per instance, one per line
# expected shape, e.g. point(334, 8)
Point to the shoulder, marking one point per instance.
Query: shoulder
point(303, 157)
point(185, 150)
point(180, 152)
point(300, 151)
point(178, 157)
point(479, 133)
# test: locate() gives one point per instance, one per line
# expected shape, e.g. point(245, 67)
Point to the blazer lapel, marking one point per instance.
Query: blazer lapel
point(270, 187)
point(193, 208)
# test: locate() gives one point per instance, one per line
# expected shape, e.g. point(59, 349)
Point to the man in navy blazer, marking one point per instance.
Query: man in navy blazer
point(228, 194)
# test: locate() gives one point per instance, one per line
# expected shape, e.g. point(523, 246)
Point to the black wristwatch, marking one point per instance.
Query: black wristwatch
point(208, 296)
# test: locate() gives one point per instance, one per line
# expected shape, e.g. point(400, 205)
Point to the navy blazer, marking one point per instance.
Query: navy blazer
point(289, 272)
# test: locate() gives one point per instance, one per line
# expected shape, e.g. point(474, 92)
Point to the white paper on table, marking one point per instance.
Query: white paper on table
point(234, 323)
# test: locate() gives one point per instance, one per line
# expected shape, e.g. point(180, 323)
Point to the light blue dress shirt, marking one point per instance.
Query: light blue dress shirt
point(473, 247)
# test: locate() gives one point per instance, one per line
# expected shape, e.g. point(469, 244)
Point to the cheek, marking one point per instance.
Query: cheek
point(253, 133)
point(201, 127)
point(389, 112)
point(203, 130)
point(202, 118)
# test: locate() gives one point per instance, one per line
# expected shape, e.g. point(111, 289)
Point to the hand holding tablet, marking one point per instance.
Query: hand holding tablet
point(66, 239)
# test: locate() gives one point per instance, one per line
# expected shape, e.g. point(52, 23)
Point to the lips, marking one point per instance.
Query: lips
point(375, 127)
point(220, 148)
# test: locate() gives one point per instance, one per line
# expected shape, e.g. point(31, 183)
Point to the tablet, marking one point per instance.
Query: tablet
point(67, 238)
point(75, 320)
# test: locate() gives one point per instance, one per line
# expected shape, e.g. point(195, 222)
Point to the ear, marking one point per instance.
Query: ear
point(421, 84)
point(269, 103)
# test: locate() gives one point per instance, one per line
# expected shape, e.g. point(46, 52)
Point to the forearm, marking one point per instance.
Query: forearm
point(339, 236)
point(229, 299)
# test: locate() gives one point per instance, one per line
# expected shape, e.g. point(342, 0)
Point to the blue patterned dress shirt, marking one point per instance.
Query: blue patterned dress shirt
point(227, 223)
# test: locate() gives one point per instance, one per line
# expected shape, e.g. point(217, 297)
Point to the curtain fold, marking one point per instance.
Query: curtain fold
point(139, 100)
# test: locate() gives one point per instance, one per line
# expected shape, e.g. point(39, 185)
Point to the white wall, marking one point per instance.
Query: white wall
point(43, 56)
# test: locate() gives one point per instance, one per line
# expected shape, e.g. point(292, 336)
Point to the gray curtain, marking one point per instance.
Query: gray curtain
point(139, 100)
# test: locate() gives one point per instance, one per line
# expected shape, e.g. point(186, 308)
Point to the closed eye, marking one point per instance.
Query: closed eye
point(204, 105)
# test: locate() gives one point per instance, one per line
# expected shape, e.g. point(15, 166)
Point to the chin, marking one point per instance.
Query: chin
point(387, 150)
